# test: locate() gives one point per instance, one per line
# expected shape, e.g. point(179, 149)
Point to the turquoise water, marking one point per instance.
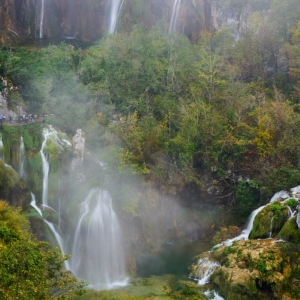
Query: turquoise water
point(174, 258)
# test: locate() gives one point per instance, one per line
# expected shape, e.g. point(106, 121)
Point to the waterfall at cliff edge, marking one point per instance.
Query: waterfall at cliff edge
point(97, 254)
point(42, 20)
point(115, 8)
point(173, 21)
point(21, 158)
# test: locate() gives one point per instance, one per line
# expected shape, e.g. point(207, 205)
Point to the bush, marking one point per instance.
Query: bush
point(30, 269)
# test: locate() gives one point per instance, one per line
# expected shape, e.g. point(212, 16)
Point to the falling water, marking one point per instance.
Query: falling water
point(45, 162)
point(97, 254)
point(52, 228)
point(42, 21)
point(115, 8)
point(1, 148)
point(213, 294)
point(175, 10)
point(271, 226)
point(205, 268)
point(21, 158)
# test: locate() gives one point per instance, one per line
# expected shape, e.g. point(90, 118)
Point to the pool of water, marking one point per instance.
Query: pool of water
point(174, 258)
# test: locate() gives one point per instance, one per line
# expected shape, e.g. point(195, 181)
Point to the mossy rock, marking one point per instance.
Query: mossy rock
point(257, 269)
point(290, 231)
point(13, 189)
point(276, 213)
point(235, 285)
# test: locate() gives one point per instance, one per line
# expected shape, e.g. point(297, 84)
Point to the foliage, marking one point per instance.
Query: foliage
point(282, 178)
point(177, 107)
point(246, 198)
point(291, 203)
point(225, 233)
point(30, 269)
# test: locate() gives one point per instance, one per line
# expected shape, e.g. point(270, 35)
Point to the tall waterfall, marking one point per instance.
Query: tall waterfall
point(42, 19)
point(175, 10)
point(1, 148)
point(21, 158)
point(97, 254)
point(45, 162)
point(52, 228)
point(115, 8)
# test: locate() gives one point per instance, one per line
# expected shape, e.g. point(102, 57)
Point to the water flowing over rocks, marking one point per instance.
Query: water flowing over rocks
point(245, 268)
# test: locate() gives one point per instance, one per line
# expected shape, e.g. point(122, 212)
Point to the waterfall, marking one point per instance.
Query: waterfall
point(42, 21)
point(52, 228)
point(21, 158)
point(49, 133)
point(97, 254)
point(205, 268)
point(45, 163)
point(115, 8)
point(271, 226)
point(213, 294)
point(1, 148)
point(175, 10)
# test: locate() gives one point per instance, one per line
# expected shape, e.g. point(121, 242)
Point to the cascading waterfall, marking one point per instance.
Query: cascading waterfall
point(52, 228)
point(21, 158)
point(97, 254)
point(173, 21)
point(115, 8)
point(206, 267)
point(1, 148)
point(42, 20)
point(213, 294)
point(45, 163)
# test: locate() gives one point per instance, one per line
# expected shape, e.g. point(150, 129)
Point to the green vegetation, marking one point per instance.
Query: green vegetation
point(178, 109)
point(30, 269)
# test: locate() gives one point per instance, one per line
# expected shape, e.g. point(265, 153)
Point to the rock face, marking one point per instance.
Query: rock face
point(88, 20)
point(13, 188)
point(258, 270)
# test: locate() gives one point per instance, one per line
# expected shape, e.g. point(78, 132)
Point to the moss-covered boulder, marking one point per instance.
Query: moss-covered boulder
point(290, 231)
point(13, 188)
point(269, 221)
point(257, 269)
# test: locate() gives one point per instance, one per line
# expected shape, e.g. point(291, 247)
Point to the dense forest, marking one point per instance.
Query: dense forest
point(176, 108)
point(178, 112)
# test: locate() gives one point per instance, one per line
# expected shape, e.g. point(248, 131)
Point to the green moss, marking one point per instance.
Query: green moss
point(276, 213)
point(290, 231)
point(291, 203)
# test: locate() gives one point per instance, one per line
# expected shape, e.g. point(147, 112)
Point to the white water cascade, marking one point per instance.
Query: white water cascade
point(45, 163)
point(21, 158)
point(213, 295)
point(115, 8)
point(206, 267)
point(1, 148)
point(173, 21)
point(52, 228)
point(42, 19)
point(97, 254)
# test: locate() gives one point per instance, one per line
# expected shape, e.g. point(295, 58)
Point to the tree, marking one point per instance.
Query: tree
point(30, 269)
